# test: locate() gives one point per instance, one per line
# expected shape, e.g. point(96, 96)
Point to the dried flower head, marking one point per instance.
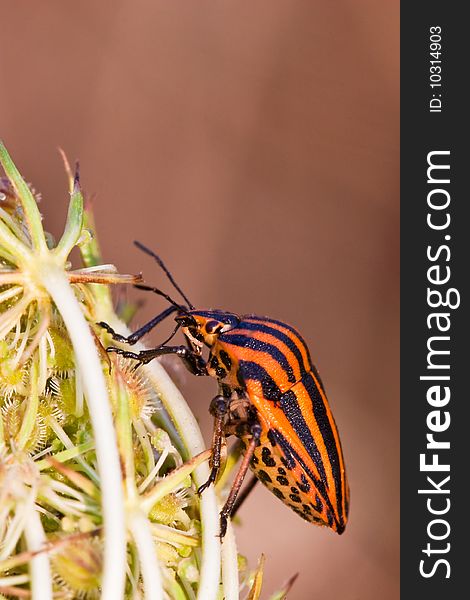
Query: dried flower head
point(99, 461)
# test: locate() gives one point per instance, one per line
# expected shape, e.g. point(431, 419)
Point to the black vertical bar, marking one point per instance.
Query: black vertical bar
point(435, 259)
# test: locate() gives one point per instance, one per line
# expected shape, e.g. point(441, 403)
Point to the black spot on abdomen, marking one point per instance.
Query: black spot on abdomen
point(267, 458)
point(263, 476)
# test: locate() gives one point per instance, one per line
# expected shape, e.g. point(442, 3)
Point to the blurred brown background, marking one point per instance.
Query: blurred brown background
point(255, 146)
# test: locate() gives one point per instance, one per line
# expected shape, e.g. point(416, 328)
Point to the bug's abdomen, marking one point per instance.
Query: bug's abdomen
point(300, 458)
point(290, 486)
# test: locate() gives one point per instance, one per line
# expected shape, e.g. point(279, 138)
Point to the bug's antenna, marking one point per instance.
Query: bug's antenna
point(167, 272)
point(147, 288)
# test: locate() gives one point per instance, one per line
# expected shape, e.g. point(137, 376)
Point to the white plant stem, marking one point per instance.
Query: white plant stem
point(114, 569)
point(40, 568)
point(154, 472)
point(191, 436)
point(13, 580)
point(147, 551)
point(230, 565)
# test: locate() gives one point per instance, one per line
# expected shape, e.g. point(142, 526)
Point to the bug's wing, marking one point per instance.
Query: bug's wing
point(302, 440)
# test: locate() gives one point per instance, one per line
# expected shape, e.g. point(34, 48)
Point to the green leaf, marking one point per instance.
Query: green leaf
point(74, 224)
point(30, 208)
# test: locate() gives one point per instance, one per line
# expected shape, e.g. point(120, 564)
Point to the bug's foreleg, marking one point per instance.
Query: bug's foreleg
point(135, 337)
point(192, 361)
point(232, 497)
point(218, 409)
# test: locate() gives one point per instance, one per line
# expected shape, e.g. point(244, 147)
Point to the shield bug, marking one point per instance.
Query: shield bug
point(270, 396)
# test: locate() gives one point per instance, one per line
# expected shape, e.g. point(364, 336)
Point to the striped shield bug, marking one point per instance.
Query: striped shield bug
point(270, 396)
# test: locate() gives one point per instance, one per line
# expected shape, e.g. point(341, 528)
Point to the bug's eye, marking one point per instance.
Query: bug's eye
point(212, 326)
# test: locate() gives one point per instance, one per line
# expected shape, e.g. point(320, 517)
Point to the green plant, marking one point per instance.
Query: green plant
point(98, 461)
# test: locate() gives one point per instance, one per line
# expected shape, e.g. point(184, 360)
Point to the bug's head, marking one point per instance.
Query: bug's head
point(205, 326)
point(199, 326)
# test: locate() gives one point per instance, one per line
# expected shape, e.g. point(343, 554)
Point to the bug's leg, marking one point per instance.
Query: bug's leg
point(232, 497)
point(192, 361)
point(135, 337)
point(218, 409)
point(243, 495)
